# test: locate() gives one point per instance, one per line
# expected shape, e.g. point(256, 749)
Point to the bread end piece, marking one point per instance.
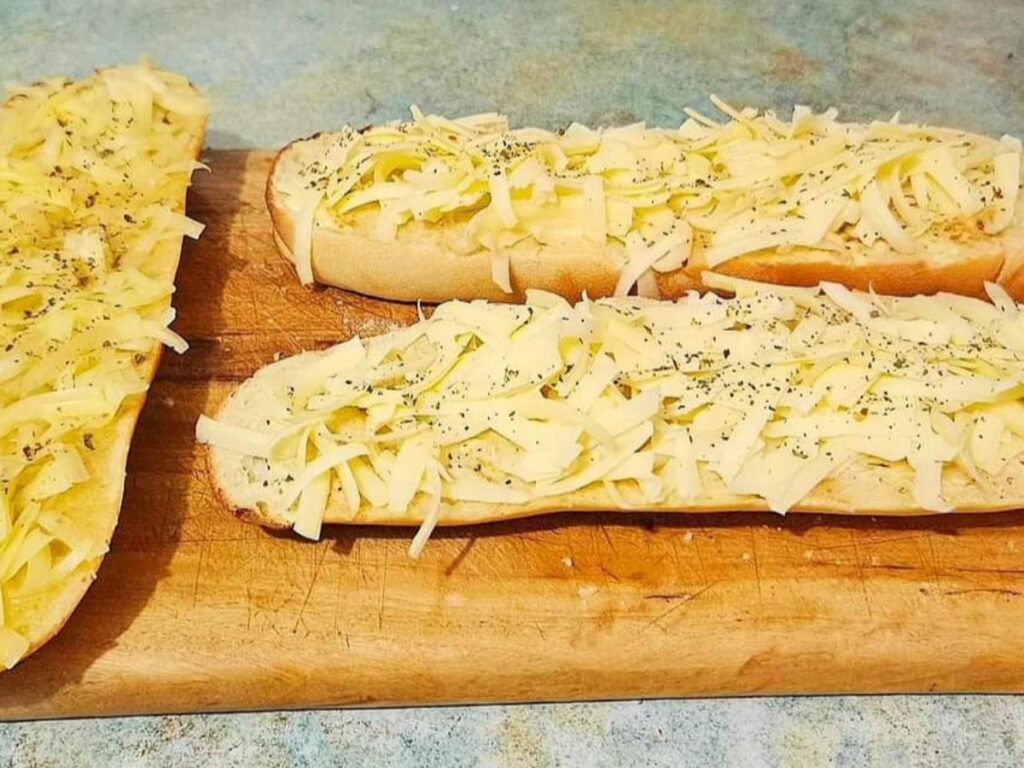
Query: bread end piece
point(422, 265)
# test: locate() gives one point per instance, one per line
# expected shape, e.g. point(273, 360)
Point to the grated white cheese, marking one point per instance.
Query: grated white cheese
point(707, 192)
point(765, 395)
point(94, 176)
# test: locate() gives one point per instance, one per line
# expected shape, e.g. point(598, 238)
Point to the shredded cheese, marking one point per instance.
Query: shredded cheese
point(765, 395)
point(92, 181)
point(710, 192)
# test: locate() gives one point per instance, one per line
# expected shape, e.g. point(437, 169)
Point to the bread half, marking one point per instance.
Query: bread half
point(427, 259)
point(863, 487)
point(109, 233)
point(787, 399)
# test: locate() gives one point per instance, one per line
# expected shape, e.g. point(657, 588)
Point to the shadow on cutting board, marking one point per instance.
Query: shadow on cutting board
point(798, 524)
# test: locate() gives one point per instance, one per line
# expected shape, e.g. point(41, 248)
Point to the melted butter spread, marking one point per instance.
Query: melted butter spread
point(92, 181)
point(751, 184)
point(772, 391)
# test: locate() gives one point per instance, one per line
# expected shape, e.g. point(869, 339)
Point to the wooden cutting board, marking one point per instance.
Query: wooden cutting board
point(196, 611)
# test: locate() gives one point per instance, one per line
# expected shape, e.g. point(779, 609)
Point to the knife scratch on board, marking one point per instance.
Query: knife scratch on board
point(933, 562)
point(203, 546)
point(608, 538)
point(757, 567)
point(383, 591)
point(680, 600)
point(318, 564)
point(700, 557)
point(985, 590)
point(859, 562)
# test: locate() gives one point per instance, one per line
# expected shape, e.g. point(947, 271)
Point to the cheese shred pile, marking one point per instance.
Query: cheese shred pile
point(718, 190)
point(702, 401)
point(92, 178)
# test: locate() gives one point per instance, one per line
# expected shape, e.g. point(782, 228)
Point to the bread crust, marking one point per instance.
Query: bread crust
point(421, 265)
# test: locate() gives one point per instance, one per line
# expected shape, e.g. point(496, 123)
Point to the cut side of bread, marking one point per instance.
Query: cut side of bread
point(819, 400)
point(427, 258)
point(120, 238)
point(864, 487)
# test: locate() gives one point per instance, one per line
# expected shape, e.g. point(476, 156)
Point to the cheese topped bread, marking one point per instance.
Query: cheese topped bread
point(93, 176)
point(787, 399)
point(435, 209)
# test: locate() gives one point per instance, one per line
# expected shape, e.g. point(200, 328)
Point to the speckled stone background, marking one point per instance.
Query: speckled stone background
point(277, 70)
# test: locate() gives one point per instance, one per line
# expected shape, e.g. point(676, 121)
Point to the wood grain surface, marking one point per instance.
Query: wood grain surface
point(195, 611)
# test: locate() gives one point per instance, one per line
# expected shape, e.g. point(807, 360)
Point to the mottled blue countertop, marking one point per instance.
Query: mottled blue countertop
point(278, 70)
